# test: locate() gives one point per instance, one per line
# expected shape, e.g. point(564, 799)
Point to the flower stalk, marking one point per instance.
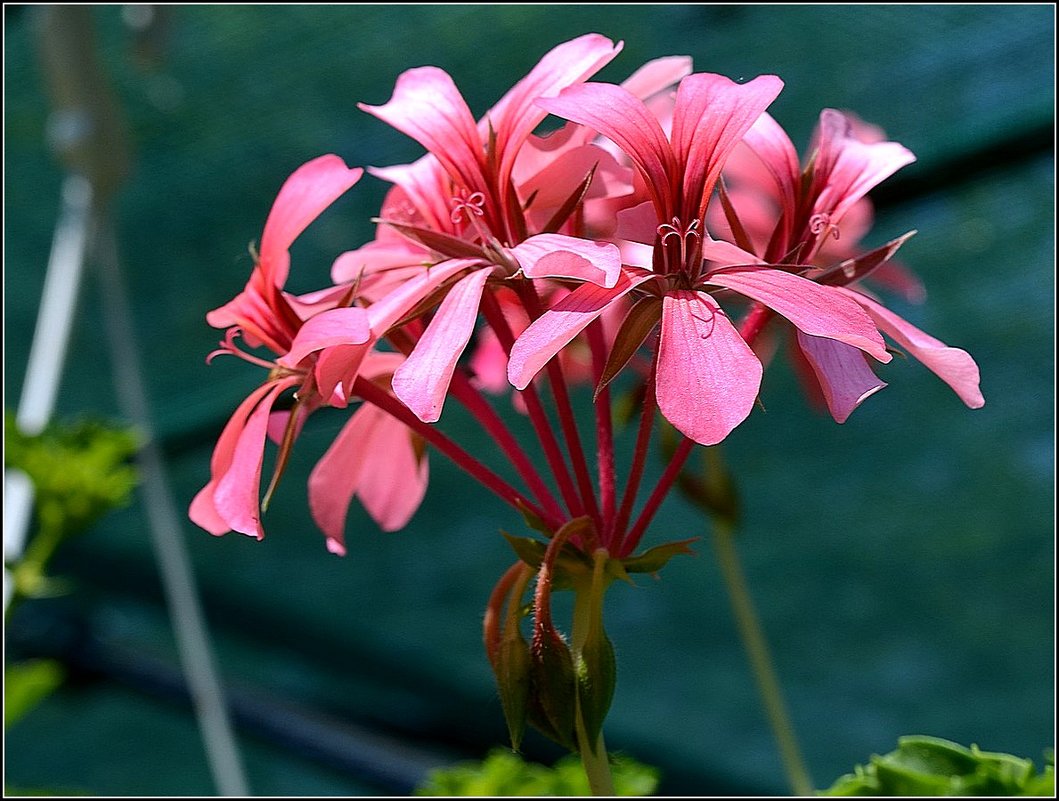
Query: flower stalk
point(753, 637)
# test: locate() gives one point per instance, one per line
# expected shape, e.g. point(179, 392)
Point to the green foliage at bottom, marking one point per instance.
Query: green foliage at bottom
point(923, 766)
point(504, 773)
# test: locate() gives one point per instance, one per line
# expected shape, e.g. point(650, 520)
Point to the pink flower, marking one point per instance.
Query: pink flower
point(774, 207)
point(375, 458)
point(262, 311)
point(269, 316)
point(459, 202)
point(707, 377)
point(843, 167)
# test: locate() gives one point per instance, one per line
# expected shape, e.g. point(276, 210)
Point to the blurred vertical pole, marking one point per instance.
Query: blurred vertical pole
point(47, 353)
point(88, 135)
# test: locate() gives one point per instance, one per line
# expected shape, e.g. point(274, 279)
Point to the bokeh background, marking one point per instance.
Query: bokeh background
point(902, 562)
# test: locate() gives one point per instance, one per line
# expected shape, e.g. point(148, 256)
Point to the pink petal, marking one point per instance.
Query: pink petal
point(372, 457)
point(550, 332)
point(237, 497)
point(850, 167)
point(312, 303)
point(897, 277)
point(772, 145)
point(711, 116)
point(427, 106)
point(346, 326)
point(558, 256)
point(624, 119)
point(656, 76)
point(819, 310)
point(844, 376)
point(426, 188)
point(707, 376)
point(952, 365)
point(335, 478)
point(559, 176)
point(489, 363)
point(337, 367)
point(310, 189)
point(203, 512)
point(639, 224)
point(422, 382)
point(252, 313)
point(725, 253)
point(393, 488)
point(514, 117)
point(389, 310)
point(379, 363)
point(377, 257)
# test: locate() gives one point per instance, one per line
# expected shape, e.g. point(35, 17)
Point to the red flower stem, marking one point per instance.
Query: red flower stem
point(542, 595)
point(604, 432)
point(754, 323)
point(539, 419)
point(493, 609)
point(378, 397)
point(557, 382)
point(472, 399)
point(639, 458)
point(665, 483)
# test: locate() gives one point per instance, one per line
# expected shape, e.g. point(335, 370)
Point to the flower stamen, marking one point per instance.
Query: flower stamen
point(684, 234)
point(229, 348)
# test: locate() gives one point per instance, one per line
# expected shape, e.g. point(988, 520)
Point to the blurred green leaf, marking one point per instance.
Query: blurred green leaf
point(923, 766)
point(503, 773)
point(80, 470)
point(26, 684)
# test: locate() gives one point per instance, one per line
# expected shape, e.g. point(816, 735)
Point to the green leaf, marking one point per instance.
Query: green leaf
point(527, 549)
point(80, 470)
point(654, 559)
point(570, 566)
point(502, 773)
point(931, 766)
point(534, 521)
point(26, 684)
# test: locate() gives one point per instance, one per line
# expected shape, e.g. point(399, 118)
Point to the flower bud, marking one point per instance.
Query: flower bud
point(596, 677)
point(512, 670)
point(553, 695)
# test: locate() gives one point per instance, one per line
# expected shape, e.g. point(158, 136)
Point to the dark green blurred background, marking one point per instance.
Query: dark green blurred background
point(903, 562)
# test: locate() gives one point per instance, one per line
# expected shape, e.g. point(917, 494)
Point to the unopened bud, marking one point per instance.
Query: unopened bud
point(596, 677)
point(512, 670)
point(553, 695)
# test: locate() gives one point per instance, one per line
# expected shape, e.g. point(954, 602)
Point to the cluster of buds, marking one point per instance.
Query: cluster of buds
point(624, 243)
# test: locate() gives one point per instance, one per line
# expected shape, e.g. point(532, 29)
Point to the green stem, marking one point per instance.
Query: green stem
point(757, 650)
point(595, 762)
point(588, 612)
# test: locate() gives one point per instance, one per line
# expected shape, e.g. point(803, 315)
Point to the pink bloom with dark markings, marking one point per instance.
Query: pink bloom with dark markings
point(268, 316)
point(707, 377)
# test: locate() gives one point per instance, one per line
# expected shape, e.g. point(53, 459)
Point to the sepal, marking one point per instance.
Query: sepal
point(654, 559)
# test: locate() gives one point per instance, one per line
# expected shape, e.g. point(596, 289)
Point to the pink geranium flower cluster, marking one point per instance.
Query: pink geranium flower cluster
point(629, 242)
